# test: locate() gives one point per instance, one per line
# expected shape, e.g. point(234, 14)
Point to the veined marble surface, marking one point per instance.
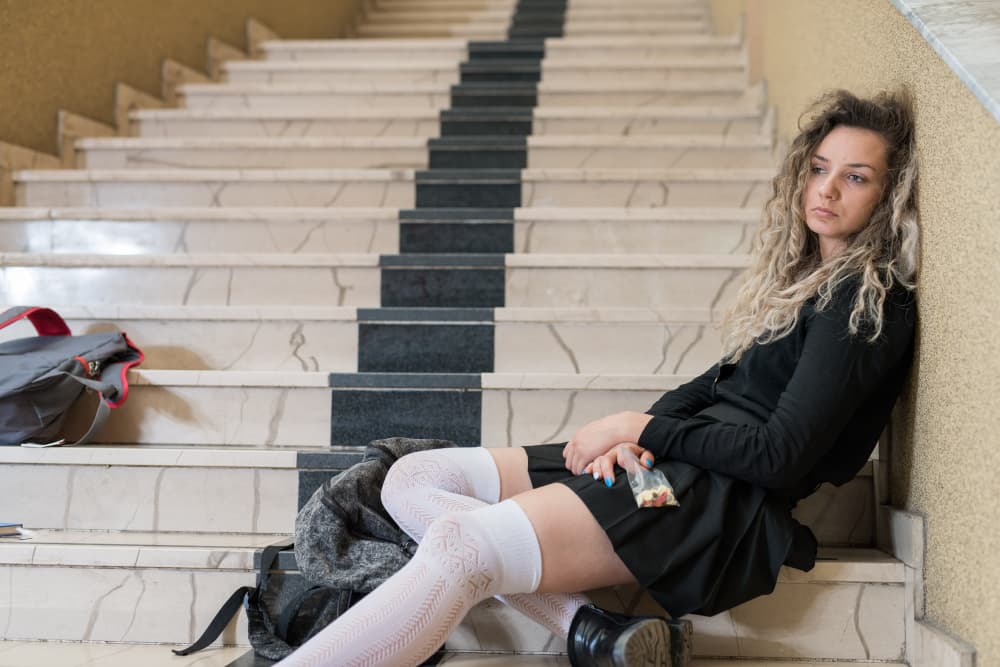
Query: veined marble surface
point(966, 34)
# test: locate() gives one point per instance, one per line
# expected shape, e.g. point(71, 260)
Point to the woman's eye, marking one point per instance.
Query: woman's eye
point(816, 169)
point(856, 178)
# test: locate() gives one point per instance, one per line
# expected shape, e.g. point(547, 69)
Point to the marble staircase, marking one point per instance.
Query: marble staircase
point(485, 220)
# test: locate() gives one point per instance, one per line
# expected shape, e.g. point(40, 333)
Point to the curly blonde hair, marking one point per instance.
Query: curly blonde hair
point(788, 269)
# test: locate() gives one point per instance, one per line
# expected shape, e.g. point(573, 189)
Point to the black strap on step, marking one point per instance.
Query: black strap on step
point(232, 606)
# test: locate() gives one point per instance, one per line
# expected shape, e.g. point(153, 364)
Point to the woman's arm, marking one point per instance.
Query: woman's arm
point(835, 373)
point(688, 398)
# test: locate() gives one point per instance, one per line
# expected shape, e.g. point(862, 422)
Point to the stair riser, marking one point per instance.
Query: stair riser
point(247, 286)
point(590, 76)
point(148, 605)
point(117, 604)
point(574, 15)
point(300, 416)
point(497, 30)
point(216, 500)
point(415, 157)
point(519, 347)
point(382, 237)
point(249, 193)
point(563, 50)
point(348, 286)
point(435, 101)
point(432, 127)
point(393, 194)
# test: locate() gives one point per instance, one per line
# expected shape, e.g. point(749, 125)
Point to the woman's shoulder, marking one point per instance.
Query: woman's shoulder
point(898, 308)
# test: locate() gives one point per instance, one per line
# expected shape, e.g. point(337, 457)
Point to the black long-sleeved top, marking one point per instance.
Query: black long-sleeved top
point(805, 409)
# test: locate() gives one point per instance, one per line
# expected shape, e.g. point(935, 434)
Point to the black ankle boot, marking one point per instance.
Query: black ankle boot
point(599, 638)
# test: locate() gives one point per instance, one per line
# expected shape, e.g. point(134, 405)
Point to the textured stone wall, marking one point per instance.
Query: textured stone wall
point(68, 54)
point(946, 458)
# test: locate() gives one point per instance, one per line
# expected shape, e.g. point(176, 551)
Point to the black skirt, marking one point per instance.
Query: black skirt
point(723, 545)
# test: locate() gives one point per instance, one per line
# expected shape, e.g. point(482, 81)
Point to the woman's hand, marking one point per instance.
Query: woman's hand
point(603, 467)
point(598, 437)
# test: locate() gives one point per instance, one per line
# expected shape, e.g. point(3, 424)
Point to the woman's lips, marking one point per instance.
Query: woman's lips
point(824, 212)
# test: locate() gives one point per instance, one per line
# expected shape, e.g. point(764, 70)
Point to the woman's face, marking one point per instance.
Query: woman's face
point(846, 178)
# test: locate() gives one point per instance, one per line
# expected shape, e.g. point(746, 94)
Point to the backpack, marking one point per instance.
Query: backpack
point(345, 545)
point(42, 376)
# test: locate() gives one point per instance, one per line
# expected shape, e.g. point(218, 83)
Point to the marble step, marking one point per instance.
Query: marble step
point(497, 29)
point(434, 72)
point(426, 123)
point(158, 588)
point(397, 188)
point(457, 50)
point(463, 15)
point(153, 588)
point(296, 338)
point(127, 655)
point(372, 230)
point(593, 281)
point(728, 89)
point(403, 152)
point(160, 489)
point(258, 491)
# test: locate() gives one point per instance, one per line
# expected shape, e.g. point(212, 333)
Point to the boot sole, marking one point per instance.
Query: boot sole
point(646, 644)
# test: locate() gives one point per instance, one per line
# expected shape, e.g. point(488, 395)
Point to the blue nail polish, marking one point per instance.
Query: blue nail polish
point(608, 482)
point(649, 462)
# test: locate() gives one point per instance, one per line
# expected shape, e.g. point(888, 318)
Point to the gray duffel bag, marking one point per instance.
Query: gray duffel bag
point(42, 376)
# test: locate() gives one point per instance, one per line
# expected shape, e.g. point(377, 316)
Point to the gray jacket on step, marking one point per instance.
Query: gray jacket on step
point(344, 538)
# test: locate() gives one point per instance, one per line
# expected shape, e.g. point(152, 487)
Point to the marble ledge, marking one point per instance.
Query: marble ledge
point(293, 113)
point(210, 313)
point(747, 141)
point(282, 89)
point(704, 112)
point(352, 44)
point(637, 261)
point(265, 379)
point(846, 565)
point(204, 213)
point(678, 214)
point(966, 35)
point(366, 67)
point(218, 555)
point(212, 260)
point(610, 87)
point(732, 141)
point(577, 381)
point(151, 456)
point(604, 315)
point(208, 175)
point(741, 174)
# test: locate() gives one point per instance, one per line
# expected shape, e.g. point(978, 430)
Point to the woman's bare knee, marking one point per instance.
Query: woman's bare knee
point(576, 552)
point(512, 466)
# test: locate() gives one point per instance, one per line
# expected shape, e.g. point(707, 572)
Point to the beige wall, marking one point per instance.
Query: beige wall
point(68, 54)
point(946, 458)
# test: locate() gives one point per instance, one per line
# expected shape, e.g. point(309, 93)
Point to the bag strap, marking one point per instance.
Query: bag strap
point(239, 597)
point(46, 321)
point(229, 609)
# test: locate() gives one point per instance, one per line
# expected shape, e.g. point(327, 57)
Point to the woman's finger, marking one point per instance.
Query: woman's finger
point(647, 458)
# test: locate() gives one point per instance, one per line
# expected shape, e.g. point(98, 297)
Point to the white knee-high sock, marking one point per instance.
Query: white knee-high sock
point(463, 559)
point(422, 486)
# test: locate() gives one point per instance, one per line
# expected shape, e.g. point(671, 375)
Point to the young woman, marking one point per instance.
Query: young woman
point(816, 349)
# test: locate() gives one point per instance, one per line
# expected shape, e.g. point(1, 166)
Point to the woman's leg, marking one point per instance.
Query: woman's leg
point(421, 487)
point(532, 542)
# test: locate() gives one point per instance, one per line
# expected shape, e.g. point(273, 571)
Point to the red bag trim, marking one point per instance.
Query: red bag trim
point(125, 368)
point(46, 321)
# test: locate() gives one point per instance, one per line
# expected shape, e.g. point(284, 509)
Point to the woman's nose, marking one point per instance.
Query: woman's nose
point(827, 189)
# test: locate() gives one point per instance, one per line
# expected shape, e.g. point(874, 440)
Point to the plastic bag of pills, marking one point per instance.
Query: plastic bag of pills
point(650, 488)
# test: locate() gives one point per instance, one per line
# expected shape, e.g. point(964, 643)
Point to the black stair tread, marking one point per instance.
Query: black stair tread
point(406, 380)
point(455, 176)
point(428, 315)
point(443, 260)
point(470, 215)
